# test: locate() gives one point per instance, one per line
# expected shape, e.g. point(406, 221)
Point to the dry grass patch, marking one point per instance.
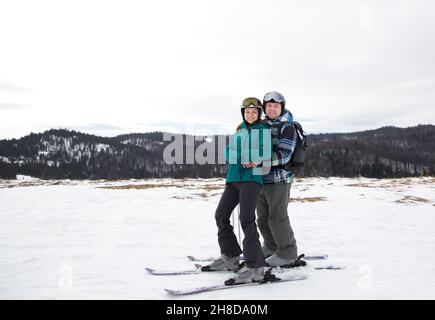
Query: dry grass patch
point(35, 183)
point(307, 199)
point(139, 186)
point(363, 185)
point(212, 187)
point(182, 197)
point(412, 199)
point(202, 195)
point(394, 183)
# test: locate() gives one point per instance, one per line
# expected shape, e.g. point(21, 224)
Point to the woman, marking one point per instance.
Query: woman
point(243, 185)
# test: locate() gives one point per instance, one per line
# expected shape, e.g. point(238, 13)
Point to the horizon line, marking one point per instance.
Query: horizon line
point(201, 135)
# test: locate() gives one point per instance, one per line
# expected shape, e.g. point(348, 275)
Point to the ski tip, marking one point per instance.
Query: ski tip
point(316, 257)
point(329, 268)
point(171, 292)
point(149, 270)
point(198, 266)
point(191, 258)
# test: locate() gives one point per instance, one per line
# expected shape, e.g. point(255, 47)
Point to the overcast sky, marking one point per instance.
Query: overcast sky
point(112, 67)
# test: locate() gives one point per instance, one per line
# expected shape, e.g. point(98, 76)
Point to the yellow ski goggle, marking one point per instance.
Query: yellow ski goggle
point(251, 102)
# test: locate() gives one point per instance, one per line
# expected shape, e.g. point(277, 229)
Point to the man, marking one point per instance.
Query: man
point(279, 246)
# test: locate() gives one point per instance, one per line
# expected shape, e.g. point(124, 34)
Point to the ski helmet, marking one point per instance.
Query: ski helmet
point(251, 102)
point(274, 96)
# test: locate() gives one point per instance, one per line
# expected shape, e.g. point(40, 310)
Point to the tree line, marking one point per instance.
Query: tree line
point(387, 152)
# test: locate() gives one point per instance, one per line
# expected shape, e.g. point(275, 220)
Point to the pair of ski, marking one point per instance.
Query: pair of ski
point(198, 267)
point(269, 279)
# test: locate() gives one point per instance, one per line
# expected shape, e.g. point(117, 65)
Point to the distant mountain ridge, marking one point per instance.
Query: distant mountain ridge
point(386, 152)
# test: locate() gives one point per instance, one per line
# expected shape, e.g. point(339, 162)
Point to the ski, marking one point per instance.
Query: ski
point(299, 263)
point(192, 258)
point(173, 273)
point(302, 263)
point(198, 270)
point(184, 292)
point(308, 258)
point(319, 257)
point(329, 267)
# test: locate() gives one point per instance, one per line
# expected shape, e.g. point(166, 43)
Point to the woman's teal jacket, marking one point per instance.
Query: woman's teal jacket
point(247, 145)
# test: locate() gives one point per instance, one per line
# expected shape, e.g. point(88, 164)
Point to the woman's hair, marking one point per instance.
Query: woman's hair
point(239, 126)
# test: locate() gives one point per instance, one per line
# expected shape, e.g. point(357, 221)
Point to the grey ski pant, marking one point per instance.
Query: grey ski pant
point(273, 221)
point(245, 193)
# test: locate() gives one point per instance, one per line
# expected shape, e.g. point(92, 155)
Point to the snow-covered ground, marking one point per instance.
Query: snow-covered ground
point(92, 239)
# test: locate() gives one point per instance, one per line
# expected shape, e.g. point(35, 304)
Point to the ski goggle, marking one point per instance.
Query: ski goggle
point(275, 96)
point(251, 102)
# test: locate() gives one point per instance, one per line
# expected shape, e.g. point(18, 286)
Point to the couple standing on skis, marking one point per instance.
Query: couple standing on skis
point(268, 193)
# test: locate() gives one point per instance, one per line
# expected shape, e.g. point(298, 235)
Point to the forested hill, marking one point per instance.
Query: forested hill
point(60, 154)
point(385, 152)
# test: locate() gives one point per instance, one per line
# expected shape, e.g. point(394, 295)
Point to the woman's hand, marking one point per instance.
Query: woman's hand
point(249, 165)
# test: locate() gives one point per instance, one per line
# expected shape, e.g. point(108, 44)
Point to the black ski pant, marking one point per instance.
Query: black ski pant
point(245, 193)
